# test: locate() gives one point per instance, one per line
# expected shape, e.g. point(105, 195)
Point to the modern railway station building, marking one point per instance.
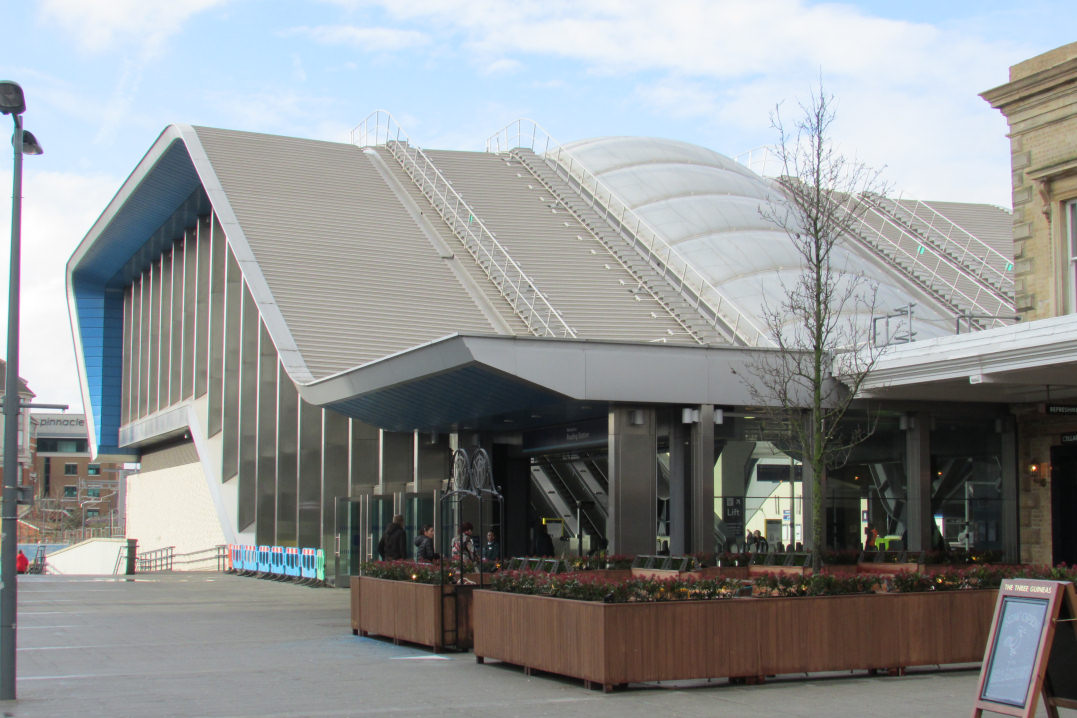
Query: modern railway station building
point(293, 336)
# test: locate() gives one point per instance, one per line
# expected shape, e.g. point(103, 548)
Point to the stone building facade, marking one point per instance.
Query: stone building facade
point(1040, 105)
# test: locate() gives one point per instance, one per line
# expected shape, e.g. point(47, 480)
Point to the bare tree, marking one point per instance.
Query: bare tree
point(822, 322)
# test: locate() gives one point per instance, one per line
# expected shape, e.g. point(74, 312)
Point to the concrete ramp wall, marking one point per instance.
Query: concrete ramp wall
point(93, 557)
point(173, 507)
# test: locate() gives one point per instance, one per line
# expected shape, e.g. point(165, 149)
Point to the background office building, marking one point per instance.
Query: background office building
point(74, 495)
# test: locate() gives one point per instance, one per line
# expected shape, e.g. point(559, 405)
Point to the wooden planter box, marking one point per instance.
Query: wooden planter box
point(751, 638)
point(888, 569)
point(754, 571)
point(427, 614)
point(737, 572)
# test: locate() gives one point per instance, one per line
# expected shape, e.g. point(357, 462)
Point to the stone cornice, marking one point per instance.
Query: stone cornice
point(1031, 86)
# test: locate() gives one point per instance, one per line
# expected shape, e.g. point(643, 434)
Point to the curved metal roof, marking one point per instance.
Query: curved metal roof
point(713, 211)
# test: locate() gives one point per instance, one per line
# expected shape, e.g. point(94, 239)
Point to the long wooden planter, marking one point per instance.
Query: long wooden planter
point(430, 615)
point(616, 644)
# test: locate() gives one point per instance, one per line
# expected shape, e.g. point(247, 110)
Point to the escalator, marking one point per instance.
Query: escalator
point(572, 488)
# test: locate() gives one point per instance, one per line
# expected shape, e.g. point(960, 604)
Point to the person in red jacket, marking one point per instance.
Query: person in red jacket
point(22, 564)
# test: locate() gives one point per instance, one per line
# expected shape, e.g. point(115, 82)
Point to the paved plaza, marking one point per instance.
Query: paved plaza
point(201, 644)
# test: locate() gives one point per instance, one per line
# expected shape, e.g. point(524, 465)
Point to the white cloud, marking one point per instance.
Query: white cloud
point(58, 209)
point(368, 39)
point(102, 26)
point(502, 66)
point(906, 90)
point(284, 112)
point(299, 73)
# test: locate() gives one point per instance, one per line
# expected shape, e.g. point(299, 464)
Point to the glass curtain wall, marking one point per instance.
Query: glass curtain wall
point(757, 488)
point(967, 503)
point(867, 495)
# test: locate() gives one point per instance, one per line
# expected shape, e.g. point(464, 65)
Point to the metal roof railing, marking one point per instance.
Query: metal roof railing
point(971, 252)
point(944, 242)
point(530, 304)
point(726, 317)
point(929, 261)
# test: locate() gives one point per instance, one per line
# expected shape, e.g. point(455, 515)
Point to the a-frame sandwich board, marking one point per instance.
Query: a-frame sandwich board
point(1031, 650)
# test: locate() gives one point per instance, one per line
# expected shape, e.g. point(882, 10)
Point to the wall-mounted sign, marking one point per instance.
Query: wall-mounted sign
point(733, 513)
point(582, 434)
point(1031, 650)
point(59, 425)
point(1062, 409)
point(1069, 438)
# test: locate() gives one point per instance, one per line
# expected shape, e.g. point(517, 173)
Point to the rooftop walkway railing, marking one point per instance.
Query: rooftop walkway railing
point(530, 304)
point(972, 253)
point(929, 266)
point(944, 258)
point(708, 300)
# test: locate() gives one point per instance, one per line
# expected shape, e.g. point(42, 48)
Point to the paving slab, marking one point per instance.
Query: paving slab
point(209, 644)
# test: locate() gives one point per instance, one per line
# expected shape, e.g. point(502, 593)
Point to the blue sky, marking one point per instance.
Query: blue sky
point(104, 77)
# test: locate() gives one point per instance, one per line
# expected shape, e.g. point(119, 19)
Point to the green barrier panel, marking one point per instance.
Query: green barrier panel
point(321, 565)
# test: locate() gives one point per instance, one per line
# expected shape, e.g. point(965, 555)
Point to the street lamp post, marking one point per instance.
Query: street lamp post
point(12, 102)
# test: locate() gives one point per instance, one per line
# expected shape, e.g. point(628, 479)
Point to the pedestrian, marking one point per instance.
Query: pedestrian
point(871, 537)
point(761, 543)
point(492, 550)
point(424, 545)
point(392, 546)
point(22, 564)
point(463, 546)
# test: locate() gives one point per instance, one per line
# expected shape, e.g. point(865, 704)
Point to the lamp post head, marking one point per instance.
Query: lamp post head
point(30, 145)
point(12, 101)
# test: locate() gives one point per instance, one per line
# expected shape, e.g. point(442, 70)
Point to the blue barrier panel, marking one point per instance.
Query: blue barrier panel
point(291, 562)
point(263, 558)
point(307, 561)
point(276, 561)
point(250, 558)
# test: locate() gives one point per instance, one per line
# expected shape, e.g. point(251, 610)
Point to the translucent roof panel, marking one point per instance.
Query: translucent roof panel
point(714, 211)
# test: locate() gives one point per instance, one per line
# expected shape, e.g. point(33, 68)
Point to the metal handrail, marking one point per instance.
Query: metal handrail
point(1003, 280)
point(721, 312)
point(759, 159)
point(1002, 283)
point(934, 282)
point(156, 560)
point(530, 304)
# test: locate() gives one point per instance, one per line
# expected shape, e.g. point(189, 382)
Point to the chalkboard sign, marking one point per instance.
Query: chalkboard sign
point(1031, 651)
point(1017, 642)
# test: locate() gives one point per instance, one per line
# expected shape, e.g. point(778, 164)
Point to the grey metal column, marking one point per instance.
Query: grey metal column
point(701, 503)
point(807, 489)
point(9, 520)
point(633, 514)
point(680, 481)
point(918, 460)
point(1011, 538)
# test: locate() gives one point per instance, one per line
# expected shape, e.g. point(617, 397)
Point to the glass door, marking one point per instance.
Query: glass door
point(381, 515)
point(418, 512)
point(347, 546)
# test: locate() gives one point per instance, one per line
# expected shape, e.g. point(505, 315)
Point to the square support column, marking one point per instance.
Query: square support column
point(1008, 457)
point(633, 515)
point(701, 503)
point(918, 458)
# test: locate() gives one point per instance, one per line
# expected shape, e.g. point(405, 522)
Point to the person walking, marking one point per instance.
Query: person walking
point(424, 545)
point(492, 550)
point(463, 546)
point(393, 543)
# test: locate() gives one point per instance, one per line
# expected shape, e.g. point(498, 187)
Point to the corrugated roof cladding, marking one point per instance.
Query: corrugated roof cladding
point(353, 275)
